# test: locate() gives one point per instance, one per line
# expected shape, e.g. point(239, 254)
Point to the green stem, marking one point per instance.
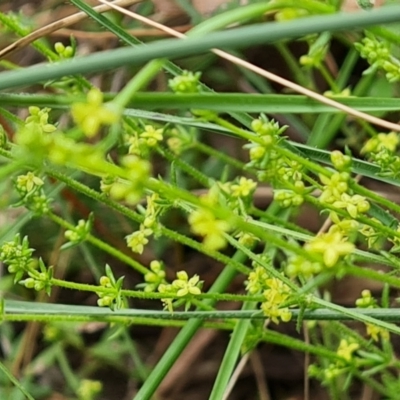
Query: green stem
point(184, 166)
point(185, 335)
point(328, 78)
point(293, 64)
point(357, 315)
point(138, 294)
point(122, 320)
point(231, 355)
point(219, 155)
point(70, 378)
point(119, 255)
point(326, 311)
point(15, 381)
point(138, 82)
point(280, 339)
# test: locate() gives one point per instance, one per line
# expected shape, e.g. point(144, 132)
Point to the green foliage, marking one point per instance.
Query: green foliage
point(102, 171)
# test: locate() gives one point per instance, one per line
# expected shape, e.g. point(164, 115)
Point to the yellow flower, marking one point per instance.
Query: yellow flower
point(243, 188)
point(28, 182)
point(137, 240)
point(382, 141)
point(91, 115)
point(186, 286)
point(346, 349)
point(353, 204)
point(276, 294)
point(204, 223)
point(331, 245)
point(334, 186)
point(374, 331)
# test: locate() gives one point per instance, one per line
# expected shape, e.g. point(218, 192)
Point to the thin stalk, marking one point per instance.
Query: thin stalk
point(15, 381)
point(119, 255)
point(231, 355)
point(299, 75)
point(138, 82)
point(219, 155)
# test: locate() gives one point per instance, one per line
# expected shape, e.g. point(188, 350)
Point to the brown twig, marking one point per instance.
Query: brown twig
point(65, 32)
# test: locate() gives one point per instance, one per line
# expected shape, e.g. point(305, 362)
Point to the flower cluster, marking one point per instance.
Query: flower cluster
point(290, 198)
point(377, 53)
point(141, 142)
point(340, 161)
point(28, 184)
point(334, 186)
point(32, 195)
point(256, 280)
point(284, 174)
point(89, 389)
point(246, 239)
point(179, 140)
point(112, 296)
point(345, 352)
point(354, 204)
point(155, 277)
point(183, 288)
point(36, 142)
point(204, 223)
point(276, 294)
point(138, 239)
point(381, 150)
point(336, 192)
point(235, 195)
point(367, 301)
point(79, 233)
point(39, 279)
point(331, 246)
point(63, 51)
point(346, 349)
point(299, 265)
point(33, 135)
point(243, 188)
point(17, 255)
point(263, 157)
point(128, 188)
point(274, 291)
point(345, 226)
point(188, 82)
point(90, 115)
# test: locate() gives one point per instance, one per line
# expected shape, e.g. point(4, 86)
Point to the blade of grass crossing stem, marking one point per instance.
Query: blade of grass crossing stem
point(185, 335)
point(231, 355)
point(357, 316)
point(175, 48)
point(15, 381)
